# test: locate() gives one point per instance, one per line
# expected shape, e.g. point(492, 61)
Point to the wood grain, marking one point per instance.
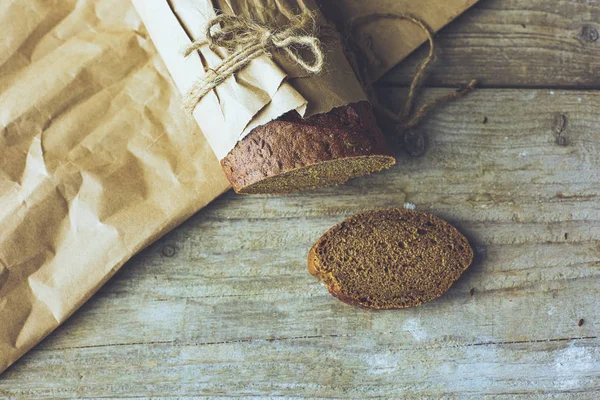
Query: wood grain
point(516, 43)
point(224, 306)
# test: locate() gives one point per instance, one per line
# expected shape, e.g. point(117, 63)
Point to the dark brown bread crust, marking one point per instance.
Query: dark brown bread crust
point(390, 259)
point(290, 144)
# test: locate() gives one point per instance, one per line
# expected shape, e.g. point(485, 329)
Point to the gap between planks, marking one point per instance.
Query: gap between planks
point(382, 85)
point(267, 340)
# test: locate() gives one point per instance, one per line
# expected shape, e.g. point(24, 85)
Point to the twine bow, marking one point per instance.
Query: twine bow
point(247, 40)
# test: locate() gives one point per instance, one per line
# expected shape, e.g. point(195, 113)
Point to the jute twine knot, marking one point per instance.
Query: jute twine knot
point(406, 119)
point(247, 40)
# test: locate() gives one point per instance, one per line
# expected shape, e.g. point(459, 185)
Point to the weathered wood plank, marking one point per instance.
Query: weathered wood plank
point(224, 306)
point(359, 367)
point(512, 43)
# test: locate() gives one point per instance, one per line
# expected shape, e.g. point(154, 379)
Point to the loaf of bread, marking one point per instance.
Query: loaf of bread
point(292, 154)
point(387, 259)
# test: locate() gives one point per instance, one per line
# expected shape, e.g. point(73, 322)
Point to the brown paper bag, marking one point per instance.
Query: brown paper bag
point(392, 40)
point(264, 90)
point(96, 158)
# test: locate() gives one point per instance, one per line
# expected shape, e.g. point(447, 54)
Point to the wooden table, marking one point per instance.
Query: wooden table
point(224, 306)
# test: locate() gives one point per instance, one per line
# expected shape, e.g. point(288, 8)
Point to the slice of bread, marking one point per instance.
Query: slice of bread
point(388, 259)
point(292, 154)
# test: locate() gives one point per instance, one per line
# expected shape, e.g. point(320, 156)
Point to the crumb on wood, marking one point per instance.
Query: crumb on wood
point(410, 206)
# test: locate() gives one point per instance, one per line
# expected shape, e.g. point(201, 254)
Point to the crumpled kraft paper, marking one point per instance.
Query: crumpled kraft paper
point(264, 90)
point(96, 158)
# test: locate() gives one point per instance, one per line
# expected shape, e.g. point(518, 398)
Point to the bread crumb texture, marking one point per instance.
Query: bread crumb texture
point(390, 259)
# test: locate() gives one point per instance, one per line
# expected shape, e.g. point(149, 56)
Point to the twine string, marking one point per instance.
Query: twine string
point(247, 40)
point(406, 119)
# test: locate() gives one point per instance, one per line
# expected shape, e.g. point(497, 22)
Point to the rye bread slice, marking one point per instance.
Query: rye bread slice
point(292, 154)
point(389, 259)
